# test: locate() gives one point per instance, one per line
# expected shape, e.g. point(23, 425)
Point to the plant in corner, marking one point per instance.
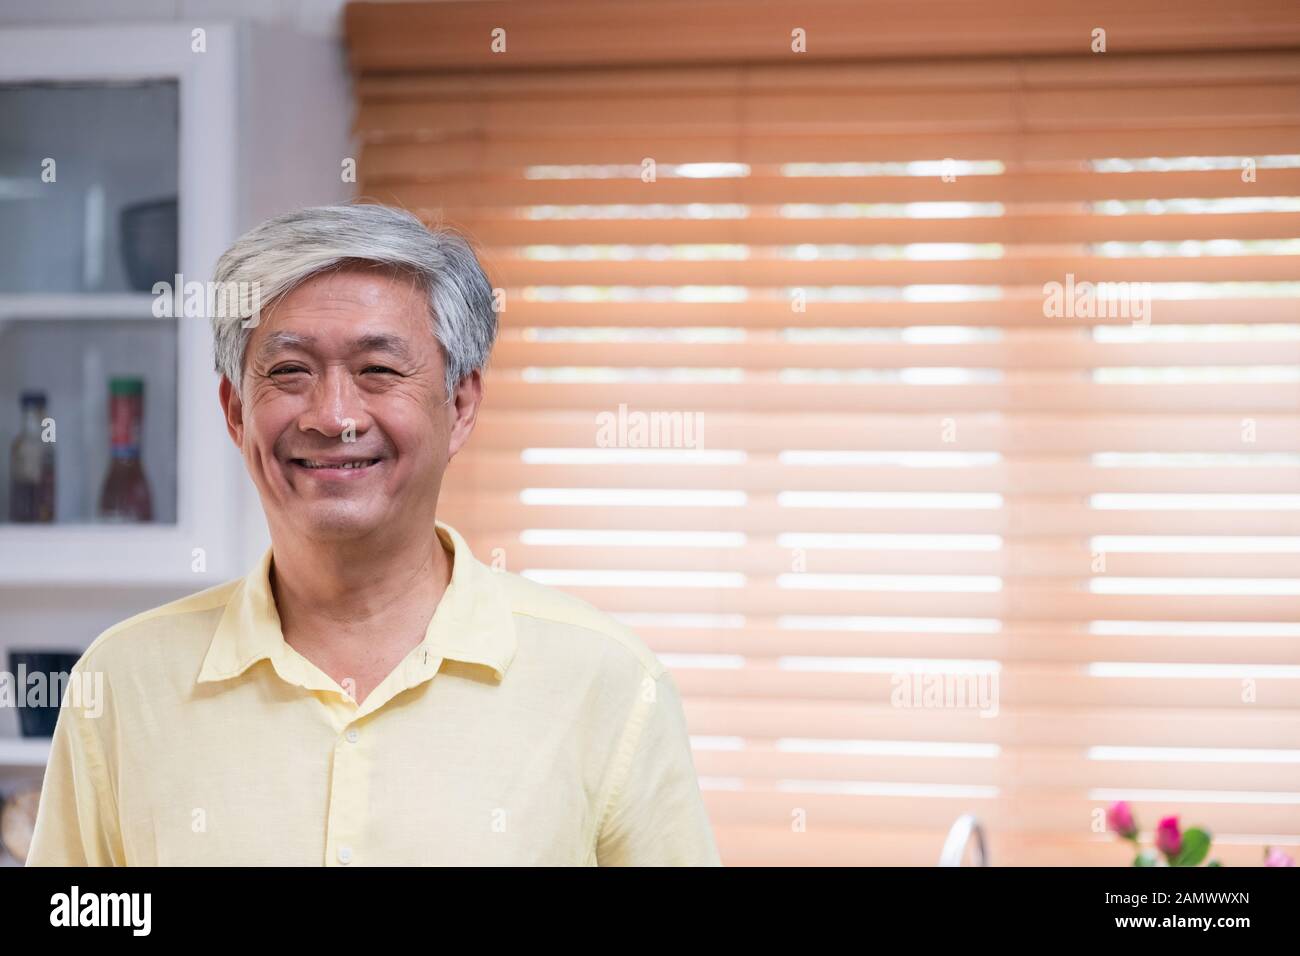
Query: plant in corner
point(1174, 847)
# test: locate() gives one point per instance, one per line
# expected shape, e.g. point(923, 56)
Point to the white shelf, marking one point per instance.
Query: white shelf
point(87, 555)
point(249, 81)
point(91, 305)
point(23, 752)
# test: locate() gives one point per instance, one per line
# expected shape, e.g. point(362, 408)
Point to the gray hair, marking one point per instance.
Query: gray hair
point(282, 253)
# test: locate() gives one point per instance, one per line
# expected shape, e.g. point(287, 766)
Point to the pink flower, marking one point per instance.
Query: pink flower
point(1276, 857)
point(1120, 819)
point(1168, 838)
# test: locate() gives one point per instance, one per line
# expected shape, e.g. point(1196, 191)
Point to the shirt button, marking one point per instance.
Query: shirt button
point(345, 854)
point(353, 736)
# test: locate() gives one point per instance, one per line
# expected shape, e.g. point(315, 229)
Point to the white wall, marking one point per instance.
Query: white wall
point(320, 17)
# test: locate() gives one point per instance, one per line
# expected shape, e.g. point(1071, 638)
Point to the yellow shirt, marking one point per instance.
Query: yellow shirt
point(551, 735)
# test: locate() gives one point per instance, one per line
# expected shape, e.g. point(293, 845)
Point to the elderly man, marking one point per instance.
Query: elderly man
point(371, 693)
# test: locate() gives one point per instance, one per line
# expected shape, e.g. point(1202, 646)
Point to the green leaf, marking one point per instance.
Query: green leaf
point(1195, 848)
point(1214, 863)
point(1145, 858)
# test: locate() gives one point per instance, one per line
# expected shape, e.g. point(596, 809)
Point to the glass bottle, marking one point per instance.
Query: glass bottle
point(125, 496)
point(31, 466)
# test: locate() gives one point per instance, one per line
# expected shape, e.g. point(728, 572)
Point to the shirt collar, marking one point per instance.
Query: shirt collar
point(473, 623)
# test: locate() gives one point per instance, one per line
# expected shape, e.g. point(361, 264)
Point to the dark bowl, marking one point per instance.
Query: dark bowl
point(39, 720)
point(149, 243)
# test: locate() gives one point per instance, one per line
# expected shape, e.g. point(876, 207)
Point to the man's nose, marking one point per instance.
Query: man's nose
point(336, 406)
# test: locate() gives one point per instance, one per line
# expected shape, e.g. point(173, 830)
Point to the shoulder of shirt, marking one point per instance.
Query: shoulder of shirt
point(530, 599)
point(209, 599)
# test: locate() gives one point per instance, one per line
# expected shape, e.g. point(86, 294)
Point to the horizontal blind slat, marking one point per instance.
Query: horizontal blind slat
point(1018, 814)
point(1034, 641)
point(770, 351)
point(415, 152)
point(1029, 601)
point(759, 557)
point(1013, 769)
point(779, 271)
point(851, 107)
point(1018, 685)
point(396, 36)
point(1015, 309)
point(1081, 72)
point(759, 190)
point(773, 230)
point(1040, 435)
point(760, 392)
point(780, 845)
point(1024, 727)
point(506, 471)
point(1019, 518)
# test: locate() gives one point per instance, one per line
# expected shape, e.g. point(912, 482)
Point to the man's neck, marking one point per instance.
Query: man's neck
point(355, 611)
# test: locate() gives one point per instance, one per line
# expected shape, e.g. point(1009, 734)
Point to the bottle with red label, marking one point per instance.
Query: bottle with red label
point(126, 492)
point(31, 465)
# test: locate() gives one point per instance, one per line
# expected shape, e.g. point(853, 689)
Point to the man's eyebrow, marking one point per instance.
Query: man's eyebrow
point(373, 342)
point(278, 341)
point(383, 342)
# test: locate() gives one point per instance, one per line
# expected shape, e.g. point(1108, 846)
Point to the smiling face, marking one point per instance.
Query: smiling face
point(342, 419)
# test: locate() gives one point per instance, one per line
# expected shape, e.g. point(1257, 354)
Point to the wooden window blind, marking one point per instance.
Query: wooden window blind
point(884, 459)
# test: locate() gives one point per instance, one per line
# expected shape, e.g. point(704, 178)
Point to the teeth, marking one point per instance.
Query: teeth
point(348, 464)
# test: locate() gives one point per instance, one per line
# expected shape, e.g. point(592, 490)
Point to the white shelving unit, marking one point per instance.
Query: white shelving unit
point(88, 307)
point(264, 115)
point(205, 477)
point(22, 752)
point(263, 126)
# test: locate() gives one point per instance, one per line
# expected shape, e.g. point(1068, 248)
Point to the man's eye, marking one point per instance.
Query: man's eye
point(379, 368)
point(288, 370)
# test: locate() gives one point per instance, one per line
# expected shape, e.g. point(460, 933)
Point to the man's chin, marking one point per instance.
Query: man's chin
point(336, 521)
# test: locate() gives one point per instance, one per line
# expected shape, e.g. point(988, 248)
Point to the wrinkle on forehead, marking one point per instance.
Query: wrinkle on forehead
point(389, 288)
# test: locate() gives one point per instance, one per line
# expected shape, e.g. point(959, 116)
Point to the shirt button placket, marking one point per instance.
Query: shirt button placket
point(349, 786)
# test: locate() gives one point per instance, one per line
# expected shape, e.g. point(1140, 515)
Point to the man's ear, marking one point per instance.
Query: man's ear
point(233, 409)
point(464, 410)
